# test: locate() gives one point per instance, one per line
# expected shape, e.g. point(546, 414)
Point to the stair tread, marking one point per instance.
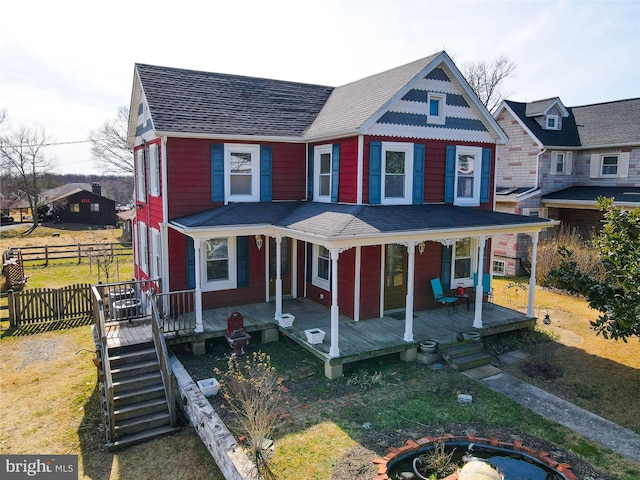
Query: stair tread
point(140, 405)
point(133, 353)
point(137, 378)
point(142, 391)
point(139, 437)
point(132, 366)
point(143, 419)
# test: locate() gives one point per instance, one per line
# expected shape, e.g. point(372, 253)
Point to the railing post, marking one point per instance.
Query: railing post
point(46, 255)
point(12, 311)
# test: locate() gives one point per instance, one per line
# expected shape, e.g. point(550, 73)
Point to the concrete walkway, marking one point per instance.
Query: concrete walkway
point(621, 440)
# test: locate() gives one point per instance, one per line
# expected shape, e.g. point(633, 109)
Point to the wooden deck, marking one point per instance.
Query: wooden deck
point(357, 340)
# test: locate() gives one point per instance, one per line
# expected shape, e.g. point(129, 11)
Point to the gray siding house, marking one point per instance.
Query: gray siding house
point(558, 161)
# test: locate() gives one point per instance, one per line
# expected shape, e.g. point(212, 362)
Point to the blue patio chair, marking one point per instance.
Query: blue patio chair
point(487, 291)
point(440, 296)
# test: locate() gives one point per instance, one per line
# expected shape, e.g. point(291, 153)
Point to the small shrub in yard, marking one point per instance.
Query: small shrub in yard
point(250, 388)
point(436, 463)
point(366, 381)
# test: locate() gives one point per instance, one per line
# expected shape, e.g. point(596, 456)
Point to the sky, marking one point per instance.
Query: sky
point(67, 66)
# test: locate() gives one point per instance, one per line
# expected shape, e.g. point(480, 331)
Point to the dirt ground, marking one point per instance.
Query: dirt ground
point(309, 399)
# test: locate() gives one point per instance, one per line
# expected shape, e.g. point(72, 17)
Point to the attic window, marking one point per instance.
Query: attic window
point(435, 105)
point(552, 122)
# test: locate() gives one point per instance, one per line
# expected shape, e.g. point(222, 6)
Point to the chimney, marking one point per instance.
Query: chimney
point(96, 188)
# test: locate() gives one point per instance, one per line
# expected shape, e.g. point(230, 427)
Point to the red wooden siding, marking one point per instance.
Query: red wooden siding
point(348, 184)
point(346, 281)
point(434, 167)
point(289, 171)
point(177, 261)
point(428, 266)
point(370, 282)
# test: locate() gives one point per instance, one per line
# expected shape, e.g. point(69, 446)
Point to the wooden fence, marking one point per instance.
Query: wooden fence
point(41, 305)
point(45, 253)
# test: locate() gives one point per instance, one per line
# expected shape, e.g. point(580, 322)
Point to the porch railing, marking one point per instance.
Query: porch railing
point(163, 360)
point(107, 380)
point(176, 310)
point(126, 300)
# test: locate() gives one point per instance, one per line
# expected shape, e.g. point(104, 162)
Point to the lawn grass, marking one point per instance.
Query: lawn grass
point(598, 374)
point(51, 405)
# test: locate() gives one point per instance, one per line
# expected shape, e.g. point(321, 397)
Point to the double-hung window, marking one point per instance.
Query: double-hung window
point(143, 248)
point(95, 207)
point(397, 172)
point(219, 258)
point(436, 108)
point(462, 264)
point(467, 176)
point(321, 267)
point(552, 122)
point(322, 166)
point(241, 172)
point(154, 170)
point(561, 163)
point(610, 165)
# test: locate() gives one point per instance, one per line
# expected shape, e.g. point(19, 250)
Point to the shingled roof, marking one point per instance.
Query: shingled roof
point(597, 125)
point(189, 101)
point(335, 221)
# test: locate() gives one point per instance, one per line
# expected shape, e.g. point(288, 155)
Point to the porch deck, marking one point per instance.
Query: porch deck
point(357, 340)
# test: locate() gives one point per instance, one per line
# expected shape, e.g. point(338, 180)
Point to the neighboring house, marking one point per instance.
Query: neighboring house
point(79, 203)
point(250, 189)
point(558, 161)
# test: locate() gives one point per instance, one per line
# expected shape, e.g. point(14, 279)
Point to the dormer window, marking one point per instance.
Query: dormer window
point(435, 104)
point(552, 122)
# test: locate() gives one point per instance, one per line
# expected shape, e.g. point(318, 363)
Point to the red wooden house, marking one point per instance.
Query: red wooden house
point(252, 189)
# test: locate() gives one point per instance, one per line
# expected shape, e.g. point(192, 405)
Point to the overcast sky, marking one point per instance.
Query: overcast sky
point(68, 66)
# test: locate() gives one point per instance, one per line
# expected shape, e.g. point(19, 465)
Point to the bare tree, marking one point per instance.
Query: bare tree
point(486, 79)
point(21, 154)
point(110, 149)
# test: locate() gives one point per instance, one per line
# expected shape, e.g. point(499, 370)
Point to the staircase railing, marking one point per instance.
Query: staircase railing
point(163, 360)
point(176, 310)
point(99, 317)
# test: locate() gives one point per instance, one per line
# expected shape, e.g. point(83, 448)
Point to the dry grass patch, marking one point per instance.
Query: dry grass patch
point(51, 405)
point(599, 375)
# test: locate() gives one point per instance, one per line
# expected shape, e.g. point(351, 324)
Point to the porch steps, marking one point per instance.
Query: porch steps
point(140, 409)
point(465, 355)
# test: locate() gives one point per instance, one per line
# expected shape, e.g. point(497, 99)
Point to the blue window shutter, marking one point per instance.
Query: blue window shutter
point(485, 180)
point(375, 173)
point(242, 257)
point(446, 267)
point(191, 264)
point(335, 171)
point(217, 172)
point(265, 173)
point(449, 173)
point(310, 178)
point(418, 173)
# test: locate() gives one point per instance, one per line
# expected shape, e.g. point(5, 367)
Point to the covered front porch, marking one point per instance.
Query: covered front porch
point(357, 340)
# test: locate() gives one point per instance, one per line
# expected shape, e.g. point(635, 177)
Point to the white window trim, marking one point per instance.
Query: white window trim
point(317, 153)
point(154, 170)
point(143, 248)
point(254, 150)
point(466, 281)
point(319, 282)
point(225, 284)
point(477, 177)
point(156, 253)
point(407, 148)
point(568, 157)
point(498, 273)
point(442, 99)
point(597, 161)
point(557, 122)
point(609, 175)
point(141, 182)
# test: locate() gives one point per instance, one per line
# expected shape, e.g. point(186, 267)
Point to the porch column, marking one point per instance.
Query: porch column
point(198, 294)
point(294, 268)
point(278, 277)
point(408, 322)
point(532, 278)
point(356, 285)
point(334, 350)
point(477, 320)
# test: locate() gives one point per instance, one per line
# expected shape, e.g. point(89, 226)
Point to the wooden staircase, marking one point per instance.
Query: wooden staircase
point(465, 355)
point(139, 402)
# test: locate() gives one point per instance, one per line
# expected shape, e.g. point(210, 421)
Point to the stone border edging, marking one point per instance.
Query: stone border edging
point(413, 445)
point(230, 457)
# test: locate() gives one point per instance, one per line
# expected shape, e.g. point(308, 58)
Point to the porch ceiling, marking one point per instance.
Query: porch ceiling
point(334, 222)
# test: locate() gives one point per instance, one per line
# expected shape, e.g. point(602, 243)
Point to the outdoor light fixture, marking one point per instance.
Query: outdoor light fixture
point(421, 247)
point(259, 241)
